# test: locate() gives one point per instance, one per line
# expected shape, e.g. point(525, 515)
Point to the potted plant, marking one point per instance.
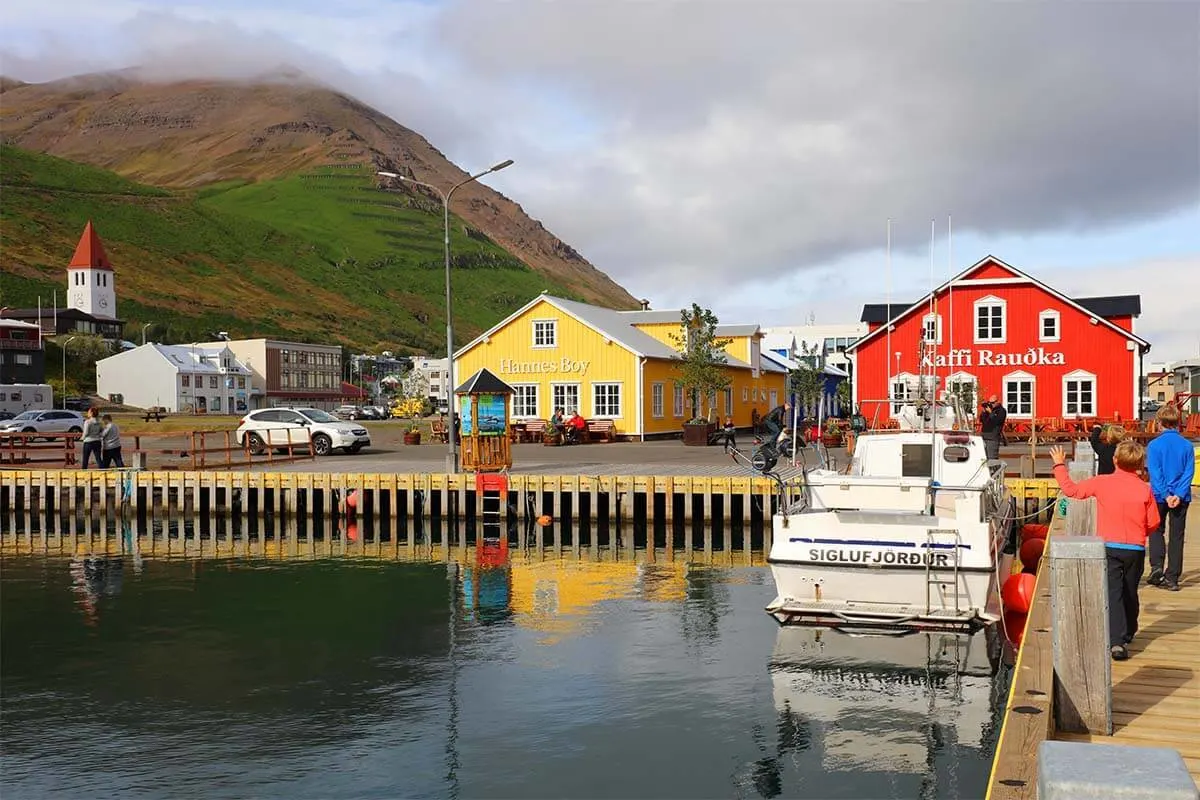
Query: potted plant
point(696, 432)
point(832, 435)
point(413, 434)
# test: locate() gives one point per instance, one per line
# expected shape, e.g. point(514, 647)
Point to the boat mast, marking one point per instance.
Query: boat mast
point(887, 316)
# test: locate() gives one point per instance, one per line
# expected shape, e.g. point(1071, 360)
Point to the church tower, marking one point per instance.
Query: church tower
point(90, 286)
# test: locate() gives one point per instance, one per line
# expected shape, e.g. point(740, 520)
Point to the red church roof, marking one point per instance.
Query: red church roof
point(90, 251)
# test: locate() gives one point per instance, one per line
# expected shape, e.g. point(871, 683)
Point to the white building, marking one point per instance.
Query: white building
point(292, 373)
point(829, 341)
point(205, 378)
point(437, 377)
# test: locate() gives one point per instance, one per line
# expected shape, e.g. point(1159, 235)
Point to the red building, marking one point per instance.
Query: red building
point(995, 330)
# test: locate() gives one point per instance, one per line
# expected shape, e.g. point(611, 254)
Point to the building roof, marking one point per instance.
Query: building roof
point(880, 313)
point(650, 317)
point(737, 330)
point(773, 362)
point(16, 323)
point(195, 358)
point(484, 382)
point(1124, 302)
point(90, 251)
point(617, 326)
point(1124, 305)
point(63, 312)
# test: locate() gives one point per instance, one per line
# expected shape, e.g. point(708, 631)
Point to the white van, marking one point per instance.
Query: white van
point(18, 397)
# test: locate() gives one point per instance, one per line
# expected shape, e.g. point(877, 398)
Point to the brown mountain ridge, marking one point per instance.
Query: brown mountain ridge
point(192, 133)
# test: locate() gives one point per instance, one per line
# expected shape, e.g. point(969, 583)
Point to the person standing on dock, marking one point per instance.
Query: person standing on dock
point(991, 426)
point(1172, 465)
point(93, 432)
point(1126, 514)
point(110, 444)
point(1104, 441)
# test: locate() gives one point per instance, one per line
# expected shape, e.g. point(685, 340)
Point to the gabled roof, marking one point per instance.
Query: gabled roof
point(16, 323)
point(1125, 305)
point(737, 330)
point(618, 326)
point(90, 251)
point(923, 303)
point(882, 312)
point(484, 382)
point(773, 362)
point(651, 317)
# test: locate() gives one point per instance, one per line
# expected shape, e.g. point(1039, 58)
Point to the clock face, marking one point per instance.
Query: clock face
point(78, 297)
point(104, 302)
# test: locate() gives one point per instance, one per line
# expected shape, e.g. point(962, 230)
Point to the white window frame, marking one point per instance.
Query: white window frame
point(657, 397)
point(1014, 409)
point(608, 414)
point(729, 400)
point(1078, 376)
point(678, 402)
point(937, 328)
point(990, 302)
point(1047, 315)
point(899, 399)
point(566, 407)
point(551, 326)
point(745, 394)
point(774, 399)
point(518, 388)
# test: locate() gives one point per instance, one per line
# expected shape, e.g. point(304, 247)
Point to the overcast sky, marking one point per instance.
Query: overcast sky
point(746, 154)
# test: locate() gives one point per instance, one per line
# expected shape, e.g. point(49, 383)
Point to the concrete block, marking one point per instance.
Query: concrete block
point(1079, 771)
point(1077, 547)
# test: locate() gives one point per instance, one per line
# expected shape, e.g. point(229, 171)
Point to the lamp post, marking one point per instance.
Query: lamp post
point(64, 371)
point(451, 443)
point(147, 325)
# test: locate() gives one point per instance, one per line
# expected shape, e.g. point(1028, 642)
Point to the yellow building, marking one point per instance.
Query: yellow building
point(618, 365)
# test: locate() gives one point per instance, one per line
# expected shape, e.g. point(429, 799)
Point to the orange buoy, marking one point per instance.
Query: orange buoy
point(1014, 626)
point(544, 520)
point(1031, 552)
point(1017, 593)
point(1034, 531)
point(352, 531)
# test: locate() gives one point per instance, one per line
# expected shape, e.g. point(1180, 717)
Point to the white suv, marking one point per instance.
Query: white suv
point(52, 421)
point(278, 427)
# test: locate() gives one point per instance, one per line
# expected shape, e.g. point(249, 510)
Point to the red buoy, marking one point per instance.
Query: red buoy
point(1031, 553)
point(1034, 531)
point(1017, 593)
point(1014, 626)
point(544, 520)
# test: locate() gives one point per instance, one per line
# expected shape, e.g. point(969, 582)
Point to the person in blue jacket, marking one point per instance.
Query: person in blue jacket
point(1171, 462)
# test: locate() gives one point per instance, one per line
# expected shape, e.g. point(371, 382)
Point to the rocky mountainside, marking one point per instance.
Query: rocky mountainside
point(192, 134)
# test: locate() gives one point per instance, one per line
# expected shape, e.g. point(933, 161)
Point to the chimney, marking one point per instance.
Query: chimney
point(645, 305)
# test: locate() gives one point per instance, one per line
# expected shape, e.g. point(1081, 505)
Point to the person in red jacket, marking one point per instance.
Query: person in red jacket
point(1125, 515)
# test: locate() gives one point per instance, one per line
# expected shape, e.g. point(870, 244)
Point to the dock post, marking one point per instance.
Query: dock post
point(1079, 613)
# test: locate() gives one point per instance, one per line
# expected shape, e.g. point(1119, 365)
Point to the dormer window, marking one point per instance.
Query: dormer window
point(931, 329)
point(1049, 326)
point(991, 323)
point(545, 333)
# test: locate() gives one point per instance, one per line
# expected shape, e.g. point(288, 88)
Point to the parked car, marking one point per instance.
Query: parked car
point(348, 412)
point(51, 421)
point(6, 415)
point(278, 427)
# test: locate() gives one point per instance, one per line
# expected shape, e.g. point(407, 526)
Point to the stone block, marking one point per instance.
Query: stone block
point(1080, 771)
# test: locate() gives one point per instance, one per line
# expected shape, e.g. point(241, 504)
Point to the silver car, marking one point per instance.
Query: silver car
point(50, 421)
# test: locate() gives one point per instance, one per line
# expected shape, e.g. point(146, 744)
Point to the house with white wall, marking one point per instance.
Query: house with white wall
point(207, 379)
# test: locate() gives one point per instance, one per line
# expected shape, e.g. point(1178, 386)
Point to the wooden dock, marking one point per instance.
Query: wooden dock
point(1155, 694)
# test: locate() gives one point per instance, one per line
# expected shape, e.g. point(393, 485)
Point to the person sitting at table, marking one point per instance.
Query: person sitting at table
point(575, 426)
point(556, 422)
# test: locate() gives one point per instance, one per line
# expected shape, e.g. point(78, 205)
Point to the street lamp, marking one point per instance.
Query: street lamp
point(147, 325)
point(451, 444)
point(64, 367)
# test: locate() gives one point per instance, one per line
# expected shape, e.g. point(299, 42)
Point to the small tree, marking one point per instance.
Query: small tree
point(806, 381)
point(701, 356)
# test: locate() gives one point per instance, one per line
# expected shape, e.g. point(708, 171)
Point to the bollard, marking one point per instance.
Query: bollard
point(1079, 614)
point(1078, 771)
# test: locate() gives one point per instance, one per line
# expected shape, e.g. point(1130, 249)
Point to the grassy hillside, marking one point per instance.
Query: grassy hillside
point(319, 256)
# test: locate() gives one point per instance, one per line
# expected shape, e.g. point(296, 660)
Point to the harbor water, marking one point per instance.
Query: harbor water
point(478, 677)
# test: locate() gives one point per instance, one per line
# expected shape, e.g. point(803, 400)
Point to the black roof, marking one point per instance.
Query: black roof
point(48, 313)
point(1116, 306)
point(484, 382)
point(878, 312)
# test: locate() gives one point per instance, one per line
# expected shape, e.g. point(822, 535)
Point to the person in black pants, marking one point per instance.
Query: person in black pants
point(991, 426)
point(93, 432)
point(1104, 441)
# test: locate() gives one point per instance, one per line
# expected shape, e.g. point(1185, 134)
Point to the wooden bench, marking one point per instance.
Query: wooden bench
point(437, 430)
point(154, 414)
point(601, 430)
point(535, 430)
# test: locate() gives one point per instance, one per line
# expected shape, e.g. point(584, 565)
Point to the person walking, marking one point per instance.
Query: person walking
point(730, 435)
point(991, 426)
point(93, 432)
point(1125, 515)
point(1171, 462)
point(110, 444)
point(1104, 442)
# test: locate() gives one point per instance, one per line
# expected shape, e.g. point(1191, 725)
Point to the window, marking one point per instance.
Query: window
point(1048, 326)
point(212, 381)
point(745, 394)
point(606, 400)
point(774, 398)
point(525, 400)
point(565, 396)
point(901, 391)
point(964, 386)
point(656, 400)
point(22, 359)
point(679, 401)
point(1161, 397)
point(989, 319)
point(16, 396)
point(216, 404)
point(931, 329)
point(1079, 394)
point(241, 383)
point(729, 401)
point(185, 380)
point(1018, 394)
point(545, 332)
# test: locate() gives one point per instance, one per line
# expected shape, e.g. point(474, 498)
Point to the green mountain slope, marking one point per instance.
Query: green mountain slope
point(321, 255)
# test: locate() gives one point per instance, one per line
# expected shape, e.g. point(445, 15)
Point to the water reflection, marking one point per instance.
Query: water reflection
point(493, 675)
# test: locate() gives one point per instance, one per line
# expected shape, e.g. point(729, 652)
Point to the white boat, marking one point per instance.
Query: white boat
point(872, 704)
point(909, 536)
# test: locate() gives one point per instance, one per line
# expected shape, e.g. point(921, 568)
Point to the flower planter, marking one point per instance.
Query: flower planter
point(412, 437)
point(698, 435)
point(831, 440)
